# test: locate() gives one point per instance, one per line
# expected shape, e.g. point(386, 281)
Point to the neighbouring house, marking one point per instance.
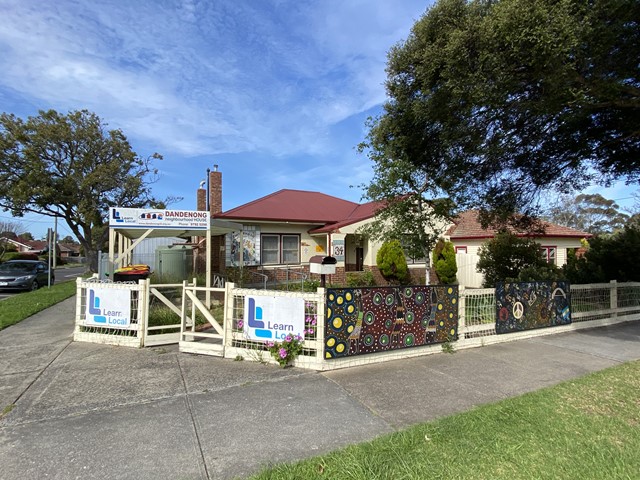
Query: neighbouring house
point(283, 230)
point(467, 235)
point(68, 251)
point(36, 247)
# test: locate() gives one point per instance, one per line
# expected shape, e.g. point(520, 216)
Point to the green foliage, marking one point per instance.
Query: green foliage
point(71, 167)
point(507, 257)
point(444, 259)
point(360, 279)
point(609, 257)
point(410, 206)
point(392, 262)
point(19, 256)
point(496, 101)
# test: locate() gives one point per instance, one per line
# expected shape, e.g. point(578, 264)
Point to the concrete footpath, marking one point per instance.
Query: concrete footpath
point(101, 412)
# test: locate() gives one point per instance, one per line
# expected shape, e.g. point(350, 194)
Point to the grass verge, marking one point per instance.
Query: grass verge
point(18, 307)
point(587, 428)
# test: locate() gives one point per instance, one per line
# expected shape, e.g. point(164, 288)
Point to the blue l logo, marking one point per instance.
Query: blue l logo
point(255, 320)
point(94, 308)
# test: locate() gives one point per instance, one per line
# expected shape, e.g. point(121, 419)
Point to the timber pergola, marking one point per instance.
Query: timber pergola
point(127, 237)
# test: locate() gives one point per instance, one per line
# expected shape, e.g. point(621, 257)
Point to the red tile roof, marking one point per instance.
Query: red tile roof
point(294, 206)
point(467, 226)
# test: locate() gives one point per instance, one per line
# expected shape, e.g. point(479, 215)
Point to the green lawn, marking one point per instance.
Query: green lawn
point(18, 307)
point(583, 429)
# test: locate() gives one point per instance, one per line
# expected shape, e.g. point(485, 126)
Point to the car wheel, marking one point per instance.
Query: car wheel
point(34, 285)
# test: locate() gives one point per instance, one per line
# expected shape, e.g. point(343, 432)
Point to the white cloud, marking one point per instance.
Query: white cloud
point(206, 77)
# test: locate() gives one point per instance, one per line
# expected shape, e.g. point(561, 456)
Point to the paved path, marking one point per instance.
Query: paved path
point(103, 412)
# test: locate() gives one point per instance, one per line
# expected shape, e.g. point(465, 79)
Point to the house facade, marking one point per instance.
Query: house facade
point(467, 235)
point(283, 230)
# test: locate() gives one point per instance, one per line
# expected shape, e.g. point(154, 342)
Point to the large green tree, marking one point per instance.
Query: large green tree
point(499, 100)
point(591, 213)
point(72, 167)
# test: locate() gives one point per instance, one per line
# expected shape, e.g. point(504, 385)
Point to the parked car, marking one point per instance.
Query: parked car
point(24, 275)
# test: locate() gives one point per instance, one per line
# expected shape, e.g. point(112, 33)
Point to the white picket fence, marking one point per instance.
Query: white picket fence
point(592, 305)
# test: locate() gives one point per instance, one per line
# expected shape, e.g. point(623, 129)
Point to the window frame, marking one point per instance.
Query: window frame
point(546, 253)
point(280, 250)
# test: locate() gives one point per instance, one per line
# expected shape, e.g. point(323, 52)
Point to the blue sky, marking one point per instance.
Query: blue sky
point(276, 92)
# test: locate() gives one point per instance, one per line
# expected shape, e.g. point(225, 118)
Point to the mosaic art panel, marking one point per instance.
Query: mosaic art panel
point(377, 319)
point(525, 306)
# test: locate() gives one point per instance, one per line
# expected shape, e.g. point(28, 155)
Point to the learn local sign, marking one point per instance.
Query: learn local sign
point(273, 318)
point(158, 218)
point(108, 308)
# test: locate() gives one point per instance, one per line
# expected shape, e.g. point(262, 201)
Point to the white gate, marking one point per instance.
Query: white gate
point(194, 338)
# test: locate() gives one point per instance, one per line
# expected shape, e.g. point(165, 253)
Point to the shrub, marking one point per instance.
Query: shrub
point(444, 258)
point(392, 262)
point(360, 279)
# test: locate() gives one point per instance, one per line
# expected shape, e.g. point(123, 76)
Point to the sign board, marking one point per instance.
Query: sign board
point(108, 308)
point(271, 319)
point(337, 250)
point(158, 218)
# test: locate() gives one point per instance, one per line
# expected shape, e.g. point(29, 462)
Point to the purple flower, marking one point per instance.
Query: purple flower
point(283, 353)
point(310, 331)
point(270, 344)
point(240, 324)
point(313, 322)
point(287, 338)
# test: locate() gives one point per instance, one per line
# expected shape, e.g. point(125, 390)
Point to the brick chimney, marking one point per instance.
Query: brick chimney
point(201, 198)
point(215, 191)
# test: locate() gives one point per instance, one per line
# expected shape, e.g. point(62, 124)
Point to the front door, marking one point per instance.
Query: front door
point(359, 259)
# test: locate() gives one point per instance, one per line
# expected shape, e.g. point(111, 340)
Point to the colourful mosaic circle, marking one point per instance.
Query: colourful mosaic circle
point(388, 323)
point(408, 292)
point(384, 340)
point(409, 340)
point(377, 298)
point(350, 328)
point(424, 323)
point(340, 300)
point(410, 318)
point(348, 296)
point(368, 340)
point(341, 347)
point(351, 309)
point(419, 298)
point(332, 297)
point(389, 300)
point(336, 323)
point(331, 342)
point(369, 318)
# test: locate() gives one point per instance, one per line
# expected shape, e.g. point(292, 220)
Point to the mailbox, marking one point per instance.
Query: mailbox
point(322, 265)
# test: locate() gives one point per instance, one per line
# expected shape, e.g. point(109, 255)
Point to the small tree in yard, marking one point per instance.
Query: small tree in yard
point(392, 262)
point(508, 258)
point(70, 166)
point(444, 261)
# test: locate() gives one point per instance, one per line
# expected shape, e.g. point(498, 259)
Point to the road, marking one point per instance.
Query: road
point(62, 275)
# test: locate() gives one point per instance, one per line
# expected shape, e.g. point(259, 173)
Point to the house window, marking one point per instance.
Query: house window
point(461, 249)
point(549, 254)
point(411, 259)
point(280, 249)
